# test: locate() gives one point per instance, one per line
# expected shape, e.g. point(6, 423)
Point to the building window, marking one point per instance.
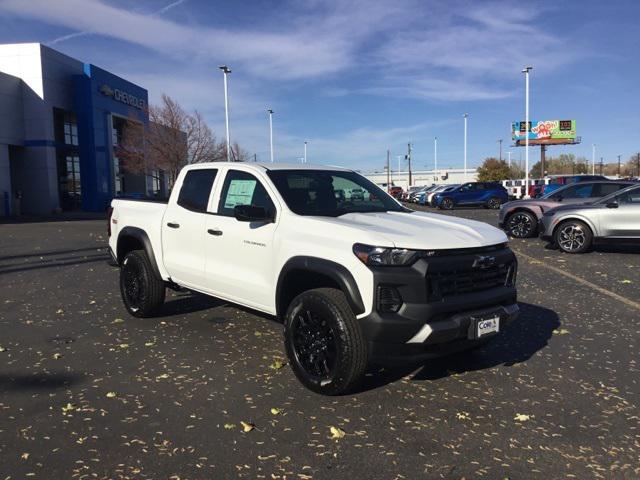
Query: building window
point(69, 182)
point(66, 127)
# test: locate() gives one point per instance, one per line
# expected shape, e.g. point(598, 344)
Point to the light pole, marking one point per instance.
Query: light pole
point(509, 153)
point(500, 143)
point(305, 152)
point(526, 71)
point(270, 111)
point(435, 156)
point(466, 115)
point(225, 71)
point(593, 159)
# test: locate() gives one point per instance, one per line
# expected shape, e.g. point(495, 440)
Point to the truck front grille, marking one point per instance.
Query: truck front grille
point(457, 282)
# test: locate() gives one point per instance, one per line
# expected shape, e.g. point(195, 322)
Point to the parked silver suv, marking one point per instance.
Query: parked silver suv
point(614, 219)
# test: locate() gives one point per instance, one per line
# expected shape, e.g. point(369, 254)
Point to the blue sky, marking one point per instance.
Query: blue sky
point(354, 78)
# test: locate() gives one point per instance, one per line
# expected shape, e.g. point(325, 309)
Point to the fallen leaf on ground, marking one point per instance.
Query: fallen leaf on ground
point(229, 426)
point(521, 417)
point(56, 356)
point(336, 433)
point(24, 456)
point(462, 416)
point(247, 427)
point(626, 281)
point(276, 365)
point(2, 349)
point(560, 331)
point(69, 407)
point(124, 345)
point(118, 320)
point(59, 311)
point(275, 411)
point(111, 394)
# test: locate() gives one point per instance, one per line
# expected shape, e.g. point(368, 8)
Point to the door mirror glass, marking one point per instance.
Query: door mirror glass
point(612, 204)
point(250, 213)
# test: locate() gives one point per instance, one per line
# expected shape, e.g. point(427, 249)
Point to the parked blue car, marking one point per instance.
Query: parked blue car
point(486, 194)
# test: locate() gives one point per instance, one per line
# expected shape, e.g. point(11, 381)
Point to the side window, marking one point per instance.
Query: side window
point(196, 188)
point(467, 187)
point(583, 190)
point(242, 188)
point(604, 189)
point(569, 192)
point(632, 196)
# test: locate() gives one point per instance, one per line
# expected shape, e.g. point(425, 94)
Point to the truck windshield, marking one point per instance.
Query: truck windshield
point(331, 193)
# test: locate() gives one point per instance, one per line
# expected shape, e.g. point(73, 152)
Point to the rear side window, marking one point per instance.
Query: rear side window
point(242, 188)
point(604, 189)
point(196, 188)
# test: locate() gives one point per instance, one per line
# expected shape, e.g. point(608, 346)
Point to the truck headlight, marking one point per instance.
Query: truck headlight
point(383, 256)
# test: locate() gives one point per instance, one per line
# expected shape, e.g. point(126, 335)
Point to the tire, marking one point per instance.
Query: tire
point(141, 290)
point(446, 204)
point(494, 203)
point(324, 342)
point(573, 236)
point(521, 224)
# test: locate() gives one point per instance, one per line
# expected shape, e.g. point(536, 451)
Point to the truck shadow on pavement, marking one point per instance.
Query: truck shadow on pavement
point(522, 339)
point(37, 382)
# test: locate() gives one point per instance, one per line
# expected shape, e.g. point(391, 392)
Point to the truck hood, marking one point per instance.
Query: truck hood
point(422, 231)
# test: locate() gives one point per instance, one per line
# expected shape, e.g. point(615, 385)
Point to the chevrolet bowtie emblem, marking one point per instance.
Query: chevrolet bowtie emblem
point(484, 261)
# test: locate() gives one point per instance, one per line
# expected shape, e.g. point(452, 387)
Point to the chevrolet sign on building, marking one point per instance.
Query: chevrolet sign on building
point(123, 97)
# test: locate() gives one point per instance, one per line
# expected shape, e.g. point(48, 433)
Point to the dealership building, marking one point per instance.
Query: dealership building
point(60, 124)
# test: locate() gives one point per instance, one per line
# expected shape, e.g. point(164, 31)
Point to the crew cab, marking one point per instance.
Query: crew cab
point(352, 280)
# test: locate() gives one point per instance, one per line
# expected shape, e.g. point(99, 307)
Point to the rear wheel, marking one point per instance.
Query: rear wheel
point(494, 203)
point(324, 342)
point(446, 204)
point(522, 224)
point(141, 290)
point(573, 236)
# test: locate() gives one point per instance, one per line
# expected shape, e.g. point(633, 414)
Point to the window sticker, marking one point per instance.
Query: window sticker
point(240, 193)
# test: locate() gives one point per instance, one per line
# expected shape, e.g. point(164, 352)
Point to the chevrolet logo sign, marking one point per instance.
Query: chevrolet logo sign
point(106, 90)
point(484, 261)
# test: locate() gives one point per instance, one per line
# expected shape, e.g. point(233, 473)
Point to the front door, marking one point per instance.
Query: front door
point(241, 255)
point(623, 221)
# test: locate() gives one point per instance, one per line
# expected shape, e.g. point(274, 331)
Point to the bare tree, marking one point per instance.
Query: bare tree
point(172, 139)
point(238, 154)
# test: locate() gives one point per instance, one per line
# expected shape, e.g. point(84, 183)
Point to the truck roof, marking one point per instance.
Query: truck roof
point(271, 166)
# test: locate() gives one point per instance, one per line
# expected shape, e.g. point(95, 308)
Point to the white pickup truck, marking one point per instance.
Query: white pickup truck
point(353, 278)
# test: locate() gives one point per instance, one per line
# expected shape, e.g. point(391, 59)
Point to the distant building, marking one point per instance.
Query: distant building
point(425, 177)
point(60, 125)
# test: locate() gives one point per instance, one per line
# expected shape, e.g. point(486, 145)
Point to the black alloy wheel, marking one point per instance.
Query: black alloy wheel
point(446, 204)
point(142, 291)
point(522, 225)
point(494, 203)
point(324, 341)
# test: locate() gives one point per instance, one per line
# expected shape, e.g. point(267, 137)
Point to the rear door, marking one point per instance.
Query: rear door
point(466, 194)
point(184, 228)
point(240, 255)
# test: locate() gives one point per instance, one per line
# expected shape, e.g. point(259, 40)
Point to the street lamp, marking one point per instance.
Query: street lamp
point(271, 132)
point(225, 71)
point(305, 152)
point(435, 156)
point(466, 115)
point(593, 159)
point(526, 71)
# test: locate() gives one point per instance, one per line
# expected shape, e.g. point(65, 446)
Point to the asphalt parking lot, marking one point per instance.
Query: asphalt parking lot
point(88, 392)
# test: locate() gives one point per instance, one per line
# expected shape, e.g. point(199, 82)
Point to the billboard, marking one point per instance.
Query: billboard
point(544, 130)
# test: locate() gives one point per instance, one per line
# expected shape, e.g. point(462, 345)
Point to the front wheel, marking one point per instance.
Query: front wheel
point(141, 290)
point(446, 204)
point(573, 236)
point(494, 203)
point(324, 342)
point(521, 225)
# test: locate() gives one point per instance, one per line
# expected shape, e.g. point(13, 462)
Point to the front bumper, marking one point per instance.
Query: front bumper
point(428, 324)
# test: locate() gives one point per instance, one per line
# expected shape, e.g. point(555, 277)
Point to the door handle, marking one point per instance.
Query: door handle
point(173, 225)
point(216, 233)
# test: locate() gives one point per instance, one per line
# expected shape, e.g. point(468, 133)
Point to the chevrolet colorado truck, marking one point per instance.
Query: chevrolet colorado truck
point(352, 279)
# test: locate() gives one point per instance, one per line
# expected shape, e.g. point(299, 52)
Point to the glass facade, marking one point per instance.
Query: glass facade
point(117, 129)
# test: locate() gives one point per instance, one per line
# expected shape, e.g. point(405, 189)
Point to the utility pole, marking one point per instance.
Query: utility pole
point(409, 160)
point(526, 71)
point(593, 159)
point(601, 164)
point(500, 143)
point(619, 165)
point(225, 71)
point(305, 152)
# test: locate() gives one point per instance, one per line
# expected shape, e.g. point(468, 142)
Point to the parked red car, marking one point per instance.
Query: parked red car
point(396, 192)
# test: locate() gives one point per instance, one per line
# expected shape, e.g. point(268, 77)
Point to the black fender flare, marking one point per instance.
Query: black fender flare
point(143, 238)
point(338, 273)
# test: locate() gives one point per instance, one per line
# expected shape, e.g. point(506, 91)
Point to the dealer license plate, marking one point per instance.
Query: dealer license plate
point(487, 325)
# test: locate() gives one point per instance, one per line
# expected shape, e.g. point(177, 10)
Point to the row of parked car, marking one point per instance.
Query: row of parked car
point(447, 197)
point(575, 214)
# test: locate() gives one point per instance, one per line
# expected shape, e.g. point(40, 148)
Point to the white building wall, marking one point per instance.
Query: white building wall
point(425, 177)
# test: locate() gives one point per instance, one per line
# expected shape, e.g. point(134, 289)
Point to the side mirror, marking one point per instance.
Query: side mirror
point(612, 204)
point(249, 213)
